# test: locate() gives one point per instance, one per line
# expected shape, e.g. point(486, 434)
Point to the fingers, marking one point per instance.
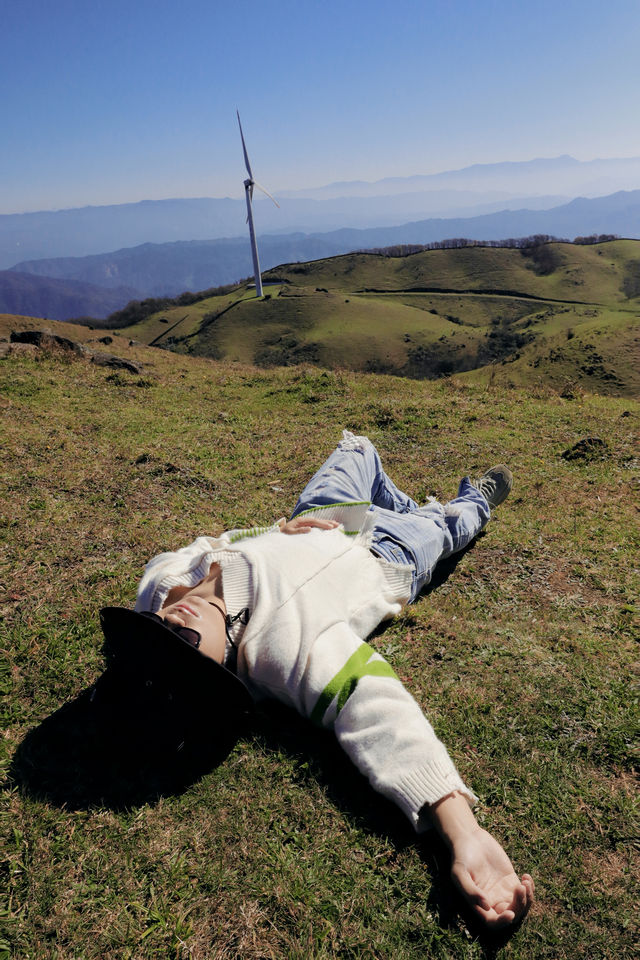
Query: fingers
point(470, 890)
point(502, 914)
point(495, 920)
point(498, 915)
point(304, 526)
point(527, 880)
point(504, 911)
point(528, 884)
point(323, 524)
point(520, 899)
point(523, 895)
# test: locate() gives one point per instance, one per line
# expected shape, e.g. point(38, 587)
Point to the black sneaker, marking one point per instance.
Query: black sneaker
point(495, 485)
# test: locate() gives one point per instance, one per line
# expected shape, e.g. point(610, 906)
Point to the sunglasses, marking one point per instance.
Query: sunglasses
point(192, 637)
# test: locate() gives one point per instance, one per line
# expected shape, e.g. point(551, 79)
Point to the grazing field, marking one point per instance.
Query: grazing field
point(559, 314)
point(522, 654)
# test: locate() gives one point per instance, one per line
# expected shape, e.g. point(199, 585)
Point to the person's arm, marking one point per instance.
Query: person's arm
point(306, 524)
point(349, 688)
point(299, 525)
point(385, 733)
point(185, 567)
point(480, 868)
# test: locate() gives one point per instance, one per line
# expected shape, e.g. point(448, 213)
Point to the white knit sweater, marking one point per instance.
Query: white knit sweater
point(313, 598)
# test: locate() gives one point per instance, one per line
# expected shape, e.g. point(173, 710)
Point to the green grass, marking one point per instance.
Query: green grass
point(477, 312)
point(523, 658)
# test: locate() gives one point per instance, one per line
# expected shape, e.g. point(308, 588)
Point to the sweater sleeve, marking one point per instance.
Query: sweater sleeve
point(187, 566)
point(383, 730)
point(234, 536)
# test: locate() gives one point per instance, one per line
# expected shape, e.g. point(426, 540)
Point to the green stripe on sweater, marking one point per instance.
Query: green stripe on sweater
point(236, 535)
point(346, 680)
point(331, 506)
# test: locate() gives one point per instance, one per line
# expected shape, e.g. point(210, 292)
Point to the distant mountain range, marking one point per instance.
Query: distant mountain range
point(558, 175)
point(171, 268)
point(31, 296)
point(469, 192)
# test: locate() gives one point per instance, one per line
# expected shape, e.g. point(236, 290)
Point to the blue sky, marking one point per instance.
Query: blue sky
point(110, 102)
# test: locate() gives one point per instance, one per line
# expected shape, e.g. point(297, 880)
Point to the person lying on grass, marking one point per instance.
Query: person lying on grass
point(283, 612)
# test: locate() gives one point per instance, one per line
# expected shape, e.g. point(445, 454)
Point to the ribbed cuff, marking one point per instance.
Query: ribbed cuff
point(427, 785)
point(398, 578)
point(251, 532)
point(350, 514)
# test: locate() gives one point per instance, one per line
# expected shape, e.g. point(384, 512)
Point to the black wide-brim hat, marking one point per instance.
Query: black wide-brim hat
point(148, 661)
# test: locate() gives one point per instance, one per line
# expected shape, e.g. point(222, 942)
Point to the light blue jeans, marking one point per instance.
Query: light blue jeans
point(404, 532)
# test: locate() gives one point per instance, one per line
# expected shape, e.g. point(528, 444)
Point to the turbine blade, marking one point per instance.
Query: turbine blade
point(260, 187)
point(244, 148)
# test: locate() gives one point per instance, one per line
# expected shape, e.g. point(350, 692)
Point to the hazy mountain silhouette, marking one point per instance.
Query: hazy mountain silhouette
point(171, 268)
point(31, 296)
point(469, 192)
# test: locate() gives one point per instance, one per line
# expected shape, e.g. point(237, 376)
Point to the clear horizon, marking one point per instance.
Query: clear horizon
point(240, 194)
point(117, 103)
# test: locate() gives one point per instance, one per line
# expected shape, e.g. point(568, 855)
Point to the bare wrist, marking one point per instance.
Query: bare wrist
point(453, 818)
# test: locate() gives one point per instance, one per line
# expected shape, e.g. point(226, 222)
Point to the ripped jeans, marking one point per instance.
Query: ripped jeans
point(404, 532)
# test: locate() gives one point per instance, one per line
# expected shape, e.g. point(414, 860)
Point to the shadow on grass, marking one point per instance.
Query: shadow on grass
point(75, 760)
point(446, 567)
point(320, 760)
point(79, 758)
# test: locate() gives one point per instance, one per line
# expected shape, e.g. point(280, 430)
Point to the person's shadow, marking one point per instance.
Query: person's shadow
point(446, 567)
point(81, 758)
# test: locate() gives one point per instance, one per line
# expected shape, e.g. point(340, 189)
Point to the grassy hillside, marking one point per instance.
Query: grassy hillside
point(522, 656)
point(562, 314)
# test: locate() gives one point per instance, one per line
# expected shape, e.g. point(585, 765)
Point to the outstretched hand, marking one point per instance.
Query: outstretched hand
point(480, 868)
point(485, 877)
point(305, 524)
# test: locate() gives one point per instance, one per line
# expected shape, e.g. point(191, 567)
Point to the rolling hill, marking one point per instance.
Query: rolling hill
point(565, 314)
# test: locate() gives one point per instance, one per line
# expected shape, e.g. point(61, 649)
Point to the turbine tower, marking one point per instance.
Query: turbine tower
point(249, 184)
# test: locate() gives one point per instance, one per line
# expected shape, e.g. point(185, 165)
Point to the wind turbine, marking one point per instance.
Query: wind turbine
point(249, 184)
